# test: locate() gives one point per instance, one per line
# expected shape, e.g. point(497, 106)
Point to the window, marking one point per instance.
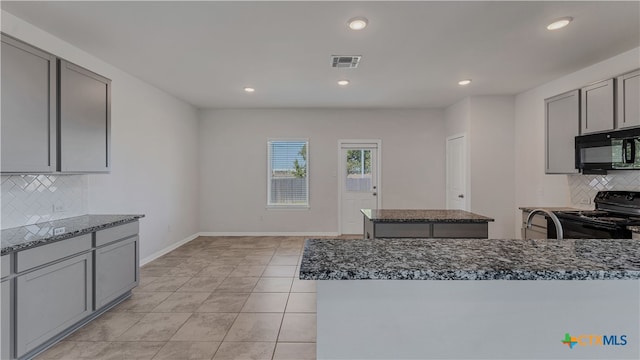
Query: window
point(288, 169)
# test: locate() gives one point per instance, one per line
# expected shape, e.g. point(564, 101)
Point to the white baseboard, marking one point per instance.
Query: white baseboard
point(232, 233)
point(168, 249)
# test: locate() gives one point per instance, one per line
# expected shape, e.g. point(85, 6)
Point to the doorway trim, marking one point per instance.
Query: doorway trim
point(341, 142)
point(467, 177)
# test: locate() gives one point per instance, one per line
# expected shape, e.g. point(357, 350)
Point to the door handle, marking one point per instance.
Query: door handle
point(461, 196)
point(375, 194)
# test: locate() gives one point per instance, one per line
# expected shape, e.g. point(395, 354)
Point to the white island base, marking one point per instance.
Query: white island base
point(482, 319)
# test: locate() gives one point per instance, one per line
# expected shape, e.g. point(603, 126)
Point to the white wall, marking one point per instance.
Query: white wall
point(154, 153)
point(533, 187)
point(488, 122)
point(233, 162)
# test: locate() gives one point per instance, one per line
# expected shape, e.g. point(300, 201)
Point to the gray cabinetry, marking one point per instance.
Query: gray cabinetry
point(28, 140)
point(562, 125)
point(635, 236)
point(597, 109)
point(538, 228)
point(628, 113)
point(116, 270)
point(85, 120)
point(51, 299)
point(373, 230)
point(5, 331)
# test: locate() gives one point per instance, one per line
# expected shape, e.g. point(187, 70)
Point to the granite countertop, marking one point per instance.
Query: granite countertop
point(422, 216)
point(550, 208)
point(28, 236)
point(470, 259)
point(635, 229)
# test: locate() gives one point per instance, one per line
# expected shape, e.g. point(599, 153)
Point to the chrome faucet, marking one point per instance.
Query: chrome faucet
point(551, 215)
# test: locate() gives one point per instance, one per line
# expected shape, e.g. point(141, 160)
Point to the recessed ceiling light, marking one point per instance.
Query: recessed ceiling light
point(343, 82)
point(560, 23)
point(357, 23)
point(464, 82)
point(249, 89)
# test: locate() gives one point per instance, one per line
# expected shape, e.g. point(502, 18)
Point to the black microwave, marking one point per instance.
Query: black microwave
point(615, 150)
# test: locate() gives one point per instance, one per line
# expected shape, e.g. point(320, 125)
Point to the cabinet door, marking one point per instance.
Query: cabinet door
point(5, 332)
point(28, 139)
point(51, 299)
point(116, 270)
point(597, 107)
point(85, 120)
point(562, 125)
point(628, 100)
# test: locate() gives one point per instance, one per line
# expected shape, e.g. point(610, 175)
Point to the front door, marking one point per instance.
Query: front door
point(358, 184)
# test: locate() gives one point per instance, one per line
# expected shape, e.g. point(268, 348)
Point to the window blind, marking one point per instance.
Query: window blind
point(288, 173)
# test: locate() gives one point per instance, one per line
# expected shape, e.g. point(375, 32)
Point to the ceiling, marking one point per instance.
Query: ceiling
point(414, 53)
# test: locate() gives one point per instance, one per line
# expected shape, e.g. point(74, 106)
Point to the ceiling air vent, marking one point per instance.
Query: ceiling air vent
point(345, 61)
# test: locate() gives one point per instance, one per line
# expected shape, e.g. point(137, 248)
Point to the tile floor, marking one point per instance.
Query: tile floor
point(217, 298)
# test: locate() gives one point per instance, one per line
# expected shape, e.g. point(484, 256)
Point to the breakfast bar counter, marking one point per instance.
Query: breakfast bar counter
point(474, 298)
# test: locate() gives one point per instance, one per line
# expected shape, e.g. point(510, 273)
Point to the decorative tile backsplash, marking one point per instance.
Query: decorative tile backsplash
point(30, 199)
point(587, 186)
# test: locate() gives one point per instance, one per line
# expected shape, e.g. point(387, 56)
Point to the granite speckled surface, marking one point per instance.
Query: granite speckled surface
point(559, 208)
point(470, 259)
point(635, 229)
point(424, 216)
point(28, 236)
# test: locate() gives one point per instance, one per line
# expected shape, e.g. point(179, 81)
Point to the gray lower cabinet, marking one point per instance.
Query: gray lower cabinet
point(597, 107)
point(116, 270)
point(374, 230)
point(7, 321)
point(628, 113)
point(562, 125)
point(85, 120)
point(538, 228)
point(51, 299)
point(28, 127)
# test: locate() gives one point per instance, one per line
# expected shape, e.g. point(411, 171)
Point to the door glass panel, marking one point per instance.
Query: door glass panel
point(358, 170)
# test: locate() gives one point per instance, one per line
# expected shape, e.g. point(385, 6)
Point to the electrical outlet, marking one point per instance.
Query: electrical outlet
point(585, 201)
point(58, 207)
point(58, 231)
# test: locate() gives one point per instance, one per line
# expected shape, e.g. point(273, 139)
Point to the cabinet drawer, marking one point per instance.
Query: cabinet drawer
point(116, 233)
point(402, 230)
point(51, 299)
point(44, 254)
point(5, 263)
point(474, 231)
point(116, 270)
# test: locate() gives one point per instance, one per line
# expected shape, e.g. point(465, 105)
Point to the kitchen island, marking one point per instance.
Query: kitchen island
point(416, 223)
point(470, 299)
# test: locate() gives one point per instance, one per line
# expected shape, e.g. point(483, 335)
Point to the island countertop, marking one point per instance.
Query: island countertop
point(470, 259)
point(28, 236)
point(424, 216)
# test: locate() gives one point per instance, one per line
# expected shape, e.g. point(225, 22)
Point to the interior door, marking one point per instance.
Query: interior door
point(359, 184)
point(457, 197)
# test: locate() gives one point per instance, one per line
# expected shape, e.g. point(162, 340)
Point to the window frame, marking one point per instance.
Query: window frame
point(276, 206)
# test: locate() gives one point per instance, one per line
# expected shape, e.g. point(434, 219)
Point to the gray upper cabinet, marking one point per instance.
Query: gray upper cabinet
point(628, 113)
point(85, 120)
point(562, 119)
point(28, 139)
point(597, 110)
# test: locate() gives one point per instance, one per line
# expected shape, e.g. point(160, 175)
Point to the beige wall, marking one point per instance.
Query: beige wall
point(154, 156)
point(533, 187)
point(488, 122)
point(233, 162)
